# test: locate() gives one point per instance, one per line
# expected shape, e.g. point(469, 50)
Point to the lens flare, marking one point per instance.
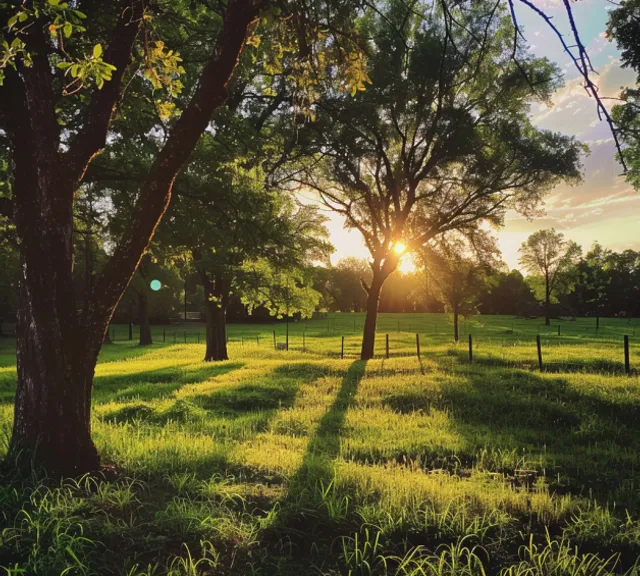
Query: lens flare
point(155, 285)
point(399, 248)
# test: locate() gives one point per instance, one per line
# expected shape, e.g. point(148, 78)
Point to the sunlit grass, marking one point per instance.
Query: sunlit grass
point(305, 463)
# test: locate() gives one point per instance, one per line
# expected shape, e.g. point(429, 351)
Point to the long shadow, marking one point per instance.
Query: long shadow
point(310, 492)
point(150, 384)
point(591, 366)
point(238, 412)
point(582, 439)
point(324, 446)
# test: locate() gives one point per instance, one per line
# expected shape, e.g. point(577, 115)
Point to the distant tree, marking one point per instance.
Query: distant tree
point(440, 140)
point(548, 255)
point(403, 292)
point(506, 293)
point(244, 226)
point(593, 278)
point(624, 289)
point(344, 285)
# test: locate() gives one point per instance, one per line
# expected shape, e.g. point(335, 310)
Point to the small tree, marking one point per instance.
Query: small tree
point(593, 277)
point(456, 274)
point(546, 253)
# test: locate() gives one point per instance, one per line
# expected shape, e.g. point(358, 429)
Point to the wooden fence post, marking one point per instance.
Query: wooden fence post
point(387, 345)
point(342, 349)
point(418, 345)
point(275, 346)
point(164, 334)
point(198, 337)
point(539, 351)
point(627, 367)
point(470, 349)
point(558, 329)
point(185, 337)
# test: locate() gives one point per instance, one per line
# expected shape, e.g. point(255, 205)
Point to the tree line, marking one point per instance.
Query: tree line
point(166, 144)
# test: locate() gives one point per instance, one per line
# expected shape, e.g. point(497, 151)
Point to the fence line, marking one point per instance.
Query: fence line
point(403, 348)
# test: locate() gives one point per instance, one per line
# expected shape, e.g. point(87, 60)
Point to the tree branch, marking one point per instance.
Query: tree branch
point(155, 195)
point(93, 135)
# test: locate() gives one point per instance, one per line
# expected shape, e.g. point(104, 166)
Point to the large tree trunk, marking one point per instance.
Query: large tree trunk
point(56, 355)
point(216, 349)
point(143, 319)
point(370, 321)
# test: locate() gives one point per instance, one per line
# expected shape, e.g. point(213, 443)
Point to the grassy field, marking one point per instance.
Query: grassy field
point(302, 462)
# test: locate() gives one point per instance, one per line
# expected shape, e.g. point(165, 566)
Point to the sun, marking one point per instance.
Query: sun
point(399, 248)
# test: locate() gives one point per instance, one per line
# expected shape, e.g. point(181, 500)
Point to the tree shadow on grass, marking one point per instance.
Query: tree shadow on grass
point(587, 366)
point(236, 412)
point(580, 437)
point(311, 508)
point(150, 384)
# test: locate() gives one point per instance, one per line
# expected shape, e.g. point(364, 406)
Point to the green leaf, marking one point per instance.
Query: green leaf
point(54, 2)
point(67, 29)
point(97, 51)
point(12, 21)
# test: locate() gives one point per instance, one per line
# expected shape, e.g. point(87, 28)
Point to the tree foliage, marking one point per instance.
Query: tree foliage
point(552, 259)
point(624, 28)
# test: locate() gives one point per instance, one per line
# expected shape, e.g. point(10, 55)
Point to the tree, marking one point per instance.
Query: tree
point(49, 80)
point(593, 279)
point(345, 284)
point(440, 140)
point(507, 293)
point(456, 273)
point(624, 28)
point(243, 222)
point(624, 290)
point(546, 253)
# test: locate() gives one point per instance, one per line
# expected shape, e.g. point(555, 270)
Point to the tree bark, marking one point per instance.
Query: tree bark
point(371, 319)
point(143, 319)
point(55, 356)
point(547, 310)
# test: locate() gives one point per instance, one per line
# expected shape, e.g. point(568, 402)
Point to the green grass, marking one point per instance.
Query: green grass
point(305, 463)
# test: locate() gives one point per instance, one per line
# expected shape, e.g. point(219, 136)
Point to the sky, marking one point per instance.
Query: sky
point(603, 207)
